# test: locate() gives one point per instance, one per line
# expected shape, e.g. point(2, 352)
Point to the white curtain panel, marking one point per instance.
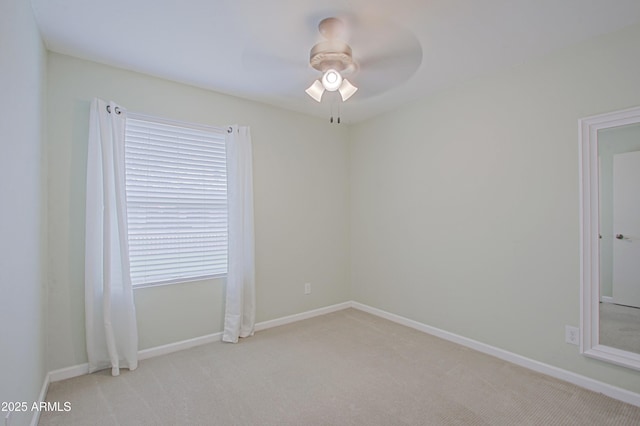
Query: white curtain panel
point(240, 307)
point(111, 330)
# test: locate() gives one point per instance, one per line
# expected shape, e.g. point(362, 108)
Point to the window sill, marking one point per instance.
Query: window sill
point(180, 281)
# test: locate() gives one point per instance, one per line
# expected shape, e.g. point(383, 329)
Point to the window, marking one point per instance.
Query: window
point(176, 186)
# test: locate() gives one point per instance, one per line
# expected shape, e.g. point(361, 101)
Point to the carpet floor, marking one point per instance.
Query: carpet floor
point(344, 368)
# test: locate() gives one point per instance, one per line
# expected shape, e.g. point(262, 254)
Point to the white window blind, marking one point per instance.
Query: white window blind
point(176, 185)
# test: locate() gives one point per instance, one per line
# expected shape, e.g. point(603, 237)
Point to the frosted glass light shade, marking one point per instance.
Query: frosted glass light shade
point(316, 90)
point(347, 89)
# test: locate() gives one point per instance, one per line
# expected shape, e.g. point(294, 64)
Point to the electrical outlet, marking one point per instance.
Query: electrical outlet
point(572, 335)
point(307, 288)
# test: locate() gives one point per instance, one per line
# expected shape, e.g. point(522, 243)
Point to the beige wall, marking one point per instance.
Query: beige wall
point(464, 205)
point(301, 206)
point(22, 208)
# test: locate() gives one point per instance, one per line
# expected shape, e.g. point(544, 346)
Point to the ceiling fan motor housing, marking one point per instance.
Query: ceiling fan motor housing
point(332, 54)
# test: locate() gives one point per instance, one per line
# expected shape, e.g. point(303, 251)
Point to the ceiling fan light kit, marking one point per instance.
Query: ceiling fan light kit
point(333, 58)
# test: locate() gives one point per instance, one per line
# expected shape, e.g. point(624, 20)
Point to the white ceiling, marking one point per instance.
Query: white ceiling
point(259, 49)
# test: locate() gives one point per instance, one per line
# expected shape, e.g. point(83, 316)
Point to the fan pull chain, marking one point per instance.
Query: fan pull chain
point(331, 117)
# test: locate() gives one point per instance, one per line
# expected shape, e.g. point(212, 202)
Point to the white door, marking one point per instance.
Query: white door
point(626, 229)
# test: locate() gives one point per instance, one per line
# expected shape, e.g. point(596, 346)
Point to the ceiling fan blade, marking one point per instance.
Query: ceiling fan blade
point(316, 90)
point(387, 55)
point(275, 73)
point(272, 62)
point(347, 89)
point(383, 72)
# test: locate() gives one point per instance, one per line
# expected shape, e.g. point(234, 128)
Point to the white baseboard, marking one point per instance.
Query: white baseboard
point(302, 316)
point(35, 418)
point(559, 373)
point(210, 338)
point(606, 299)
point(576, 379)
point(82, 369)
point(178, 346)
point(68, 372)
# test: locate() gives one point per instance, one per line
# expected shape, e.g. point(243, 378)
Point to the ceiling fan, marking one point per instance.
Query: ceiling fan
point(333, 58)
point(385, 55)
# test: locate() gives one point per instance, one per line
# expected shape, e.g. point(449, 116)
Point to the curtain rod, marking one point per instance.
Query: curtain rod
point(138, 115)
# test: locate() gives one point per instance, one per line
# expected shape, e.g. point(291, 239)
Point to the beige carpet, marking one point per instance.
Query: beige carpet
point(345, 368)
